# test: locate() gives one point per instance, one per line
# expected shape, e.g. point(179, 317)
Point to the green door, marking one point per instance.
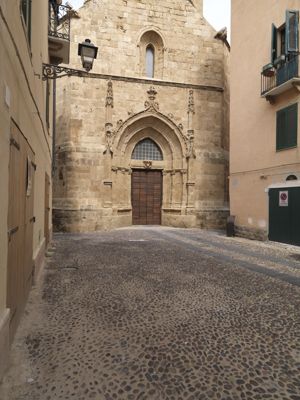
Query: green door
point(284, 215)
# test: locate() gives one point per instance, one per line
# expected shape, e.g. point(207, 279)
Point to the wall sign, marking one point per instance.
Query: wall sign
point(284, 199)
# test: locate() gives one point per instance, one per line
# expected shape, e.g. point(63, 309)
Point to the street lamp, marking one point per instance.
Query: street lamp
point(88, 53)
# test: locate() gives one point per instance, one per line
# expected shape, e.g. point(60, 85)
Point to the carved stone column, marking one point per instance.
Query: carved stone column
point(190, 145)
point(109, 137)
point(109, 105)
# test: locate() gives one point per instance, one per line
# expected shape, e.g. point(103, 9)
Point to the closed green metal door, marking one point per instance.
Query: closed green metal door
point(284, 215)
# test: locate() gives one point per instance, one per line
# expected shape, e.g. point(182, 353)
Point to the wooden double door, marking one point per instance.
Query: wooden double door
point(146, 197)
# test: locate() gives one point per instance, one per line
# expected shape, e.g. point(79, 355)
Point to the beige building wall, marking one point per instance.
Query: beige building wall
point(254, 162)
point(188, 116)
point(22, 100)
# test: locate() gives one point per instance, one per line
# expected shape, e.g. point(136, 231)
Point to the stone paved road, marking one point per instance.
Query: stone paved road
point(159, 314)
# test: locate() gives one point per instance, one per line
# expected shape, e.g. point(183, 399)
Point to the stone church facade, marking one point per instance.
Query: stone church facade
point(144, 139)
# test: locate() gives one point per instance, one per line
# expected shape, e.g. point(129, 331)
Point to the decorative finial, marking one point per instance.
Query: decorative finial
point(191, 105)
point(109, 95)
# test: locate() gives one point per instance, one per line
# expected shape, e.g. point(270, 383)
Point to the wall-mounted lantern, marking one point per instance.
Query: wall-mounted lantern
point(88, 53)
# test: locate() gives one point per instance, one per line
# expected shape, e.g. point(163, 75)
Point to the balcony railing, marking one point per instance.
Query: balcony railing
point(273, 77)
point(59, 21)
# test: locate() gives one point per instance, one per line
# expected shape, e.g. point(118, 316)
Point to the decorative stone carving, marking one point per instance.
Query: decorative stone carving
point(109, 135)
point(109, 131)
point(109, 95)
point(123, 170)
point(148, 164)
point(190, 144)
point(151, 104)
point(174, 171)
point(190, 132)
point(191, 105)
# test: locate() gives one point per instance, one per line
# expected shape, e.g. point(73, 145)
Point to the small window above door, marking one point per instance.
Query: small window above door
point(148, 150)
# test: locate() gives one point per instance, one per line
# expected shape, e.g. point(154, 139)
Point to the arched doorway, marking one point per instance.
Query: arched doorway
point(146, 185)
point(149, 170)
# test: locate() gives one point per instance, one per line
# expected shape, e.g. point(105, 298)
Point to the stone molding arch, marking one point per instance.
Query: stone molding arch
point(154, 29)
point(156, 126)
point(151, 36)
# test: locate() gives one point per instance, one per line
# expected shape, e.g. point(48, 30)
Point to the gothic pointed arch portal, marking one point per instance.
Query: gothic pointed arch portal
point(129, 172)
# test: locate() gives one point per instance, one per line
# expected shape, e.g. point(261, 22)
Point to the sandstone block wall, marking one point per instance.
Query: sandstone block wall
point(184, 109)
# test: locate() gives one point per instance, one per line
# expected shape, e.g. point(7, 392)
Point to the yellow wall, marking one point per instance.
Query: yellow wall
point(20, 77)
point(254, 162)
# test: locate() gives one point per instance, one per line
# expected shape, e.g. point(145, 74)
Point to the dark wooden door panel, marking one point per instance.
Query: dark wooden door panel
point(146, 193)
point(20, 225)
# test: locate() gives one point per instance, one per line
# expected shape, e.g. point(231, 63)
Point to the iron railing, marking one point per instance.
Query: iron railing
point(59, 20)
point(276, 76)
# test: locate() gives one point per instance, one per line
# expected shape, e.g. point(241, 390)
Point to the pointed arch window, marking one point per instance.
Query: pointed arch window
point(147, 149)
point(150, 57)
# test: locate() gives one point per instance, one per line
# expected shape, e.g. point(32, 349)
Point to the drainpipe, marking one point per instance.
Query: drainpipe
point(54, 127)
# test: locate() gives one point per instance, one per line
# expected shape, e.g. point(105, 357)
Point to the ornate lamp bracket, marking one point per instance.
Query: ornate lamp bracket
point(51, 71)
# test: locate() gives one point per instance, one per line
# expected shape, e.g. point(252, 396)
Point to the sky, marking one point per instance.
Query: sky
point(217, 12)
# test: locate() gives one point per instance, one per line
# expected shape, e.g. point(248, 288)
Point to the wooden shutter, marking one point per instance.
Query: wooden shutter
point(286, 129)
point(292, 31)
point(292, 125)
point(273, 44)
point(280, 129)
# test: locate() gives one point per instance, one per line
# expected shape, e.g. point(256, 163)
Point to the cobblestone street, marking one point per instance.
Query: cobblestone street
point(160, 313)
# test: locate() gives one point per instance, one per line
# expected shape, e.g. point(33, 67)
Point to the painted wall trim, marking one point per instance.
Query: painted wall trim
point(288, 184)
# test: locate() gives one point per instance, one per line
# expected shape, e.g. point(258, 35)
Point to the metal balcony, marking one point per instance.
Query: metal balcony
point(59, 32)
point(276, 80)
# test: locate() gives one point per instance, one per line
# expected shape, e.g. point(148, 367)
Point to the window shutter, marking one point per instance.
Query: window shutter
point(287, 127)
point(292, 31)
point(280, 129)
point(273, 44)
point(291, 125)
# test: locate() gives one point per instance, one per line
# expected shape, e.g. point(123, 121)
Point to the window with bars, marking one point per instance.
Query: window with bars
point(147, 150)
